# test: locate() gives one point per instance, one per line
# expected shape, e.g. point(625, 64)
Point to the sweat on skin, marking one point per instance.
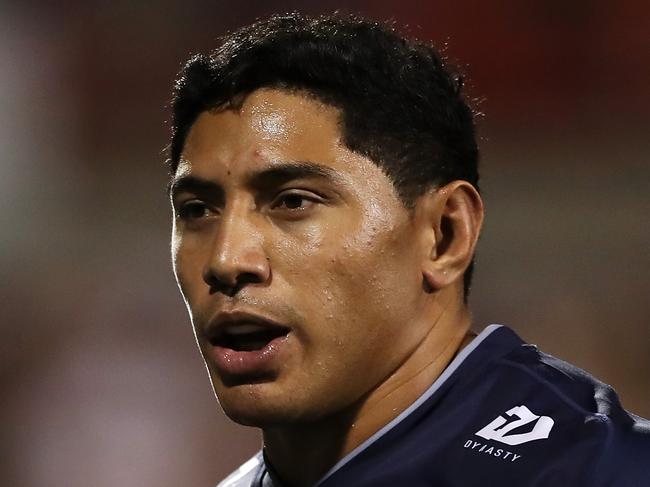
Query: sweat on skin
point(276, 221)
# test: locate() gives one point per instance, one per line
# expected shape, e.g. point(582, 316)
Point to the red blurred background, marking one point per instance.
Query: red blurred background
point(102, 383)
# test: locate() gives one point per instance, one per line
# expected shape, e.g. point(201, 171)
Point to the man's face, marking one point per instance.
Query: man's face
point(298, 262)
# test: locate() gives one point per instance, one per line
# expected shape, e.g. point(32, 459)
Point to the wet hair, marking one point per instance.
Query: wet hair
point(400, 105)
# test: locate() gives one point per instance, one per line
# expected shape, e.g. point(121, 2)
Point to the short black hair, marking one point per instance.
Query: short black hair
point(400, 105)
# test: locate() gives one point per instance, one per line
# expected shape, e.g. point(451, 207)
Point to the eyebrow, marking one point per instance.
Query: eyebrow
point(274, 175)
point(287, 171)
point(192, 184)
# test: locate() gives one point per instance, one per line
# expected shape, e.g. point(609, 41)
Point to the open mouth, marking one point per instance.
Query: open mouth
point(246, 337)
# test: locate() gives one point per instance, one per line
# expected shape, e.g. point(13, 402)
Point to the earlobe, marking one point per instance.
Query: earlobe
point(455, 215)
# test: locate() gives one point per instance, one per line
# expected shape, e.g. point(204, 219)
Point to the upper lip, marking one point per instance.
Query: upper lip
point(218, 326)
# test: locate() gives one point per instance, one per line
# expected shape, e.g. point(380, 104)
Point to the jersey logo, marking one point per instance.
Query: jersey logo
point(498, 429)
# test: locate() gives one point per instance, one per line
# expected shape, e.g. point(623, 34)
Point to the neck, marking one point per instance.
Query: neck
point(302, 454)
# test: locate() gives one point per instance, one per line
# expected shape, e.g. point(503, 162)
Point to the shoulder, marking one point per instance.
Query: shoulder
point(244, 475)
point(561, 385)
point(589, 424)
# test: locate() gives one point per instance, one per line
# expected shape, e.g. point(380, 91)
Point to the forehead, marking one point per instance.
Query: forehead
point(270, 126)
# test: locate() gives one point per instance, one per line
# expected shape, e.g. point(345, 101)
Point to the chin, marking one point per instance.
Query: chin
point(259, 414)
point(250, 406)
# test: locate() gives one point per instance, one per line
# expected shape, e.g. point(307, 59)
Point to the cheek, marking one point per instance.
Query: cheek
point(178, 264)
point(366, 292)
point(377, 267)
point(305, 259)
point(186, 263)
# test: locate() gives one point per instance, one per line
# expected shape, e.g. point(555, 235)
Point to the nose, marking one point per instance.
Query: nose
point(237, 257)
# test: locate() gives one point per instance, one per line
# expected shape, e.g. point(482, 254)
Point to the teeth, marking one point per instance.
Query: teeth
point(243, 329)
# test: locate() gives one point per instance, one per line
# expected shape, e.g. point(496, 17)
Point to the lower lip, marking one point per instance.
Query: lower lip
point(249, 363)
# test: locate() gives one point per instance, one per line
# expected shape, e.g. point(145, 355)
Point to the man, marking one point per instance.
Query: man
point(326, 210)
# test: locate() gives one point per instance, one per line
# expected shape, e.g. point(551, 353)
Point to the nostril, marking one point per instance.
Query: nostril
point(248, 278)
point(216, 282)
point(230, 289)
point(223, 289)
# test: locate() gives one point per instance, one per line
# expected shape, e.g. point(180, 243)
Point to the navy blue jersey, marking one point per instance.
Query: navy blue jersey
point(501, 414)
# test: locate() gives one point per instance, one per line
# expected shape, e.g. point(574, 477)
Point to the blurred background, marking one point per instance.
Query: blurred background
point(102, 385)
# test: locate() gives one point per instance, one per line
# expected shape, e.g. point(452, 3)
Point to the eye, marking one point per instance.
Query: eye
point(294, 201)
point(193, 210)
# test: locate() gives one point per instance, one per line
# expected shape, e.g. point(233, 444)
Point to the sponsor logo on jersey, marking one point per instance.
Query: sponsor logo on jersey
point(500, 429)
point(501, 453)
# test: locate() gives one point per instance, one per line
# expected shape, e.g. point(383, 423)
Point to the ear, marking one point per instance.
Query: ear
point(451, 219)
